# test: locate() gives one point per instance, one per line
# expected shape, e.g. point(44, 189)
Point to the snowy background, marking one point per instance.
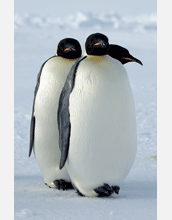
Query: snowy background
point(38, 27)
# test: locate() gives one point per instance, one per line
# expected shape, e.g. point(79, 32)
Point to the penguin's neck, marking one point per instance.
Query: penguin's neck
point(94, 57)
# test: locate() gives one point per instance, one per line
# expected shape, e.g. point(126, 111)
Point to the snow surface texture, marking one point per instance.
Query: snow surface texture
point(36, 39)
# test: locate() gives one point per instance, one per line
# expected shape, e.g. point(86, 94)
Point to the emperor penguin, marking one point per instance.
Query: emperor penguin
point(44, 137)
point(96, 121)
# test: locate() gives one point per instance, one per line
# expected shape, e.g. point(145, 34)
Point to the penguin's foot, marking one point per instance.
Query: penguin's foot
point(106, 190)
point(116, 189)
point(62, 184)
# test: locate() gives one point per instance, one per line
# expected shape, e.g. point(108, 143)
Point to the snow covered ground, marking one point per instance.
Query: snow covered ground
point(36, 38)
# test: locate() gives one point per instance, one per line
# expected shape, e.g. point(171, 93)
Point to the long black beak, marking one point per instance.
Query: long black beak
point(132, 59)
point(122, 54)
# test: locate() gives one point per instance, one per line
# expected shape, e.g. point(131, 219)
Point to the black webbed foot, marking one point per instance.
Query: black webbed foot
point(106, 190)
point(62, 184)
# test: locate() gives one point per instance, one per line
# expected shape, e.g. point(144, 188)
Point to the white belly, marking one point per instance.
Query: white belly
point(103, 127)
point(46, 142)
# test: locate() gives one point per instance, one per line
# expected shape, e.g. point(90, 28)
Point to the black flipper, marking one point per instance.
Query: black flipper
point(63, 116)
point(33, 120)
point(32, 131)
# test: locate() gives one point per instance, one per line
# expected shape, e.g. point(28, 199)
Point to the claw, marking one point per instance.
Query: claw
point(62, 184)
point(106, 190)
point(47, 185)
point(116, 189)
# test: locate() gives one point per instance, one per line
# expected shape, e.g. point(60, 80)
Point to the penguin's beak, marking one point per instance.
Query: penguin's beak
point(100, 44)
point(132, 59)
point(69, 49)
point(97, 44)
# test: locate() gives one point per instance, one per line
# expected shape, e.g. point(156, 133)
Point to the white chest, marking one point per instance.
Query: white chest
point(103, 126)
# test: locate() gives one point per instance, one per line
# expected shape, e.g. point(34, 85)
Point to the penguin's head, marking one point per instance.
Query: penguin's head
point(97, 44)
point(121, 54)
point(69, 48)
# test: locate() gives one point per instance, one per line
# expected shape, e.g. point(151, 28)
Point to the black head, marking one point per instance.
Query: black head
point(122, 54)
point(97, 44)
point(69, 48)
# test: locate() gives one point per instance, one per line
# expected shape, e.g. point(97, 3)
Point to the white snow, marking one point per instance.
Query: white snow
point(36, 38)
